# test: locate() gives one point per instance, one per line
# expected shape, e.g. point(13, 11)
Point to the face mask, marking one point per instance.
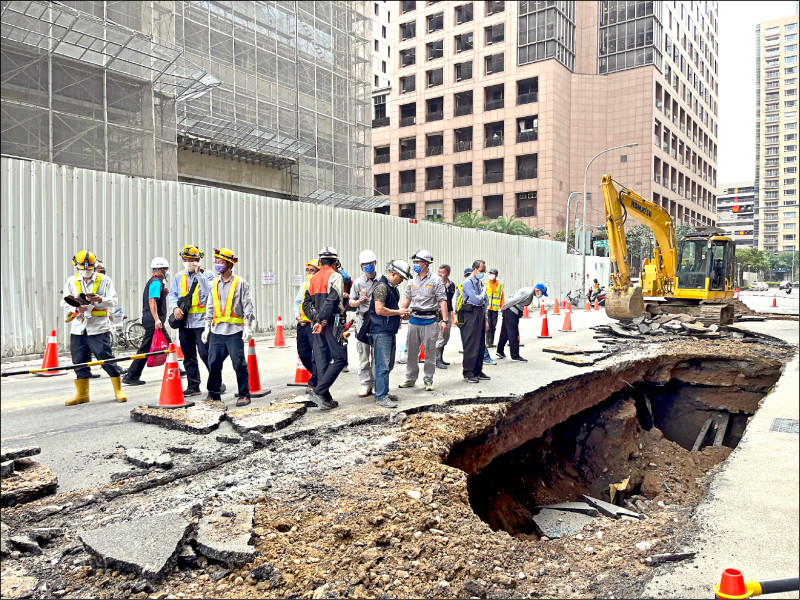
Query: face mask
point(369, 269)
point(166, 274)
point(220, 268)
point(191, 265)
point(479, 275)
point(86, 273)
point(492, 277)
point(417, 268)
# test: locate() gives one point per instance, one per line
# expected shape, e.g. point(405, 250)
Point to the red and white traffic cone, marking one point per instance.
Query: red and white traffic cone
point(525, 314)
point(545, 331)
point(253, 376)
point(775, 301)
point(280, 340)
point(51, 356)
point(301, 375)
point(171, 388)
point(596, 305)
point(567, 326)
point(555, 309)
point(178, 351)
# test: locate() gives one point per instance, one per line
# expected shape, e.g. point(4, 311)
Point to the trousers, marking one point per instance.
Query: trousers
point(492, 319)
point(474, 340)
point(192, 345)
point(305, 350)
point(425, 336)
point(509, 332)
point(81, 348)
point(221, 347)
point(330, 357)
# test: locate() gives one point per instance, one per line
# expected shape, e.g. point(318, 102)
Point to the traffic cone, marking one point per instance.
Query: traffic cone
point(421, 353)
point(542, 309)
point(171, 387)
point(253, 377)
point(569, 305)
point(596, 305)
point(280, 341)
point(567, 326)
point(555, 309)
point(588, 305)
point(775, 301)
point(545, 331)
point(731, 585)
point(301, 375)
point(525, 314)
point(178, 351)
point(51, 356)
point(453, 315)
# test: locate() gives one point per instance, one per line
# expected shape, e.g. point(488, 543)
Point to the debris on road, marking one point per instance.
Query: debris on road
point(204, 417)
point(226, 535)
point(264, 419)
point(25, 480)
point(146, 459)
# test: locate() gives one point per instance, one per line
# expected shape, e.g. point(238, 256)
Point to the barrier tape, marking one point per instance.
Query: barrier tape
point(88, 364)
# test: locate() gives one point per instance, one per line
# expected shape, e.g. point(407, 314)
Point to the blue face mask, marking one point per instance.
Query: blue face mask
point(369, 269)
point(479, 275)
point(417, 268)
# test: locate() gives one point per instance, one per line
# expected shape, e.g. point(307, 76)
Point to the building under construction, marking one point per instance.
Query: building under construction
point(264, 97)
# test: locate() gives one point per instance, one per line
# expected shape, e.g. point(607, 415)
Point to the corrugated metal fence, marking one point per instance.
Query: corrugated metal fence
point(49, 212)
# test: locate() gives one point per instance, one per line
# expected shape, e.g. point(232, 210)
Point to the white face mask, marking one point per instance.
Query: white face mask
point(86, 273)
point(191, 265)
point(492, 277)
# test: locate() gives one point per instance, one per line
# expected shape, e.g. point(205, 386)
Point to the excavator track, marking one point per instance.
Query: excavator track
point(708, 313)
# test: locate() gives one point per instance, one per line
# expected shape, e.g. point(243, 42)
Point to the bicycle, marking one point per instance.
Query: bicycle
point(124, 331)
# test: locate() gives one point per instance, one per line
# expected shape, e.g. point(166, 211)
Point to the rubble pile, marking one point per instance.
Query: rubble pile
point(669, 327)
point(23, 479)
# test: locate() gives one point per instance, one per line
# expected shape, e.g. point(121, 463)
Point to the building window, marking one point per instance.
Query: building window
point(434, 209)
point(462, 205)
point(494, 34)
point(381, 183)
point(408, 30)
point(434, 109)
point(383, 66)
point(408, 148)
point(408, 84)
point(408, 114)
point(464, 70)
point(408, 181)
point(547, 30)
point(383, 31)
point(434, 143)
point(408, 211)
point(377, 83)
point(494, 97)
point(526, 204)
point(462, 175)
point(382, 154)
point(463, 13)
point(527, 166)
point(493, 171)
point(435, 49)
point(377, 46)
point(379, 104)
point(434, 178)
point(435, 77)
point(463, 42)
point(493, 134)
point(527, 129)
point(494, 63)
point(494, 7)
point(493, 206)
point(435, 22)
point(528, 91)
point(408, 6)
point(408, 57)
point(463, 104)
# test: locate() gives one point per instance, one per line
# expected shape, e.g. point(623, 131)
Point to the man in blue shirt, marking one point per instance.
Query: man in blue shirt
point(475, 306)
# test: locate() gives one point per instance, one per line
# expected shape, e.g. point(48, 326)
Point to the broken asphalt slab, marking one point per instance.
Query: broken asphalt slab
point(610, 510)
point(225, 535)
point(149, 546)
point(145, 459)
point(555, 523)
point(579, 362)
point(31, 481)
point(204, 417)
point(264, 419)
point(15, 453)
point(577, 507)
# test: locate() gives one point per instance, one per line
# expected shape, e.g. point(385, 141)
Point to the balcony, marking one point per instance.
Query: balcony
point(493, 142)
point(527, 136)
point(462, 181)
point(492, 177)
point(527, 173)
point(382, 190)
point(406, 188)
point(433, 150)
point(494, 104)
point(528, 98)
point(380, 122)
point(408, 154)
point(463, 146)
point(381, 158)
point(463, 110)
point(434, 184)
point(434, 116)
point(406, 121)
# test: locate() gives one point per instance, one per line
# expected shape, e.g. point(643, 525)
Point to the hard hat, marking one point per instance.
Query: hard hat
point(159, 262)
point(400, 267)
point(542, 288)
point(225, 254)
point(313, 263)
point(328, 252)
point(367, 256)
point(191, 251)
point(493, 271)
point(84, 259)
point(423, 255)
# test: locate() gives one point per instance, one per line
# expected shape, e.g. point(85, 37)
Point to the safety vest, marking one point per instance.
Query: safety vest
point(459, 296)
point(196, 306)
point(495, 299)
point(95, 312)
point(225, 316)
point(303, 316)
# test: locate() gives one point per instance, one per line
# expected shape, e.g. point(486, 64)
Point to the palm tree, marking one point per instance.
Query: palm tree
point(470, 220)
point(510, 225)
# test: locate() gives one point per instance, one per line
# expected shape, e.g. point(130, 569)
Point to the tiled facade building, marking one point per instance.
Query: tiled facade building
point(499, 107)
point(735, 213)
point(776, 222)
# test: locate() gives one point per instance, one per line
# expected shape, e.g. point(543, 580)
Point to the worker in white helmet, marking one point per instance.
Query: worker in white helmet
point(360, 297)
point(154, 316)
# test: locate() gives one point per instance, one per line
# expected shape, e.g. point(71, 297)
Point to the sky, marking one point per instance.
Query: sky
point(737, 79)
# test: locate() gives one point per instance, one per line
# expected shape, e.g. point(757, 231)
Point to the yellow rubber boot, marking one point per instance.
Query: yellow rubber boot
point(82, 396)
point(120, 395)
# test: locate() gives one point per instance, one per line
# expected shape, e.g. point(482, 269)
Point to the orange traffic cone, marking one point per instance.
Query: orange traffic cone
point(253, 377)
point(51, 357)
point(178, 351)
point(731, 585)
point(588, 305)
point(171, 387)
point(775, 301)
point(596, 305)
point(567, 326)
point(545, 331)
point(280, 341)
point(542, 309)
point(569, 305)
point(421, 353)
point(525, 314)
point(555, 309)
point(301, 375)
point(453, 315)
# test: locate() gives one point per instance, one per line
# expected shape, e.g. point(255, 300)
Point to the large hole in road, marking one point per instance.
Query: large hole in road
point(582, 435)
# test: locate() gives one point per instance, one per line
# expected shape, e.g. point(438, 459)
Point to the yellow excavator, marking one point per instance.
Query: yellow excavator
point(694, 277)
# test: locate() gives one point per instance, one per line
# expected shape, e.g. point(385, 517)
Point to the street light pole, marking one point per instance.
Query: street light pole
point(583, 224)
point(569, 200)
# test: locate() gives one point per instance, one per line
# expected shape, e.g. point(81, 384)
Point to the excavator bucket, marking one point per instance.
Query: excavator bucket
point(625, 304)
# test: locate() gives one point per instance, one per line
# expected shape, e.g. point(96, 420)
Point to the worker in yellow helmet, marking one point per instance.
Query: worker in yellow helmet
point(229, 321)
point(305, 348)
point(91, 330)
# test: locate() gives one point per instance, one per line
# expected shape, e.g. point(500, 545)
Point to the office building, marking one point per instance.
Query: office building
point(776, 223)
point(265, 97)
point(735, 202)
point(498, 107)
point(381, 50)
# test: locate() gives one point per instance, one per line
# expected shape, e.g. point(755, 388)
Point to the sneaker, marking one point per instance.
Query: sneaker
point(407, 384)
point(330, 399)
point(483, 376)
point(223, 389)
point(365, 391)
point(243, 401)
point(499, 355)
point(345, 370)
point(488, 361)
point(471, 379)
point(321, 403)
point(133, 381)
point(386, 402)
point(518, 359)
point(428, 386)
point(187, 392)
point(392, 397)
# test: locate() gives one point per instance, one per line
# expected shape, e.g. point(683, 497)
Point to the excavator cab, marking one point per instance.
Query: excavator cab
point(705, 267)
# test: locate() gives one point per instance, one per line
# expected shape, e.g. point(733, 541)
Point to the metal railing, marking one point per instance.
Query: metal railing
point(434, 184)
point(382, 158)
point(527, 136)
point(527, 173)
point(380, 122)
point(382, 190)
point(463, 146)
point(464, 109)
point(528, 98)
point(433, 150)
point(405, 188)
point(406, 121)
point(493, 141)
point(492, 177)
point(462, 181)
point(408, 154)
point(434, 116)
point(494, 104)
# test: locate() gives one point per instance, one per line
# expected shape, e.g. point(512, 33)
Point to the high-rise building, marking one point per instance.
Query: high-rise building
point(265, 97)
point(381, 50)
point(735, 203)
point(498, 107)
point(776, 222)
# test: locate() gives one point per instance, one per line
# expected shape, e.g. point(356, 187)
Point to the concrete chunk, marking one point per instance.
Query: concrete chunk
point(608, 509)
point(204, 417)
point(264, 419)
point(25, 544)
point(148, 458)
point(227, 538)
point(555, 523)
point(14, 453)
point(31, 481)
point(45, 534)
point(6, 468)
point(147, 547)
point(578, 507)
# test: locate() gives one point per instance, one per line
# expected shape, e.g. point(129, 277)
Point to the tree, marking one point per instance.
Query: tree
point(510, 225)
point(751, 259)
point(560, 236)
point(470, 220)
point(435, 219)
point(640, 244)
point(684, 229)
point(537, 233)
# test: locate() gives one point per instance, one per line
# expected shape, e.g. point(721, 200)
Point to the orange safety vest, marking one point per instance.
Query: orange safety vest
point(227, 315)
point(496, 296)
point(95, 312)
point(196, 306)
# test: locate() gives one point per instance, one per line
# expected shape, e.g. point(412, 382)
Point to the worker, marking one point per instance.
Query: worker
point(229, 322)
point(424, 295)
point(594, 290)
point(509, 330)
point(90, 331)
point(495, 292)
point(323, 304)
point(360, 298)
point(384, 322)
point(154, 316)
point(100, 267)
point(444, 335)
point(191, 324)
point(539, 294)
point(347, 284)
point(474, 308)
point(305, 350)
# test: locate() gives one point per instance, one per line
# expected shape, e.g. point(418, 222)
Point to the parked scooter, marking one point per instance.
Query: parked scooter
point(599, 295)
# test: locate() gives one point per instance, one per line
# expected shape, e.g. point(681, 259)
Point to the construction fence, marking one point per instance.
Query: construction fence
point(49, 212)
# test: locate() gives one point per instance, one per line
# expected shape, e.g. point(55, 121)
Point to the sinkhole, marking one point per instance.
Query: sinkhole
point(659, 424)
